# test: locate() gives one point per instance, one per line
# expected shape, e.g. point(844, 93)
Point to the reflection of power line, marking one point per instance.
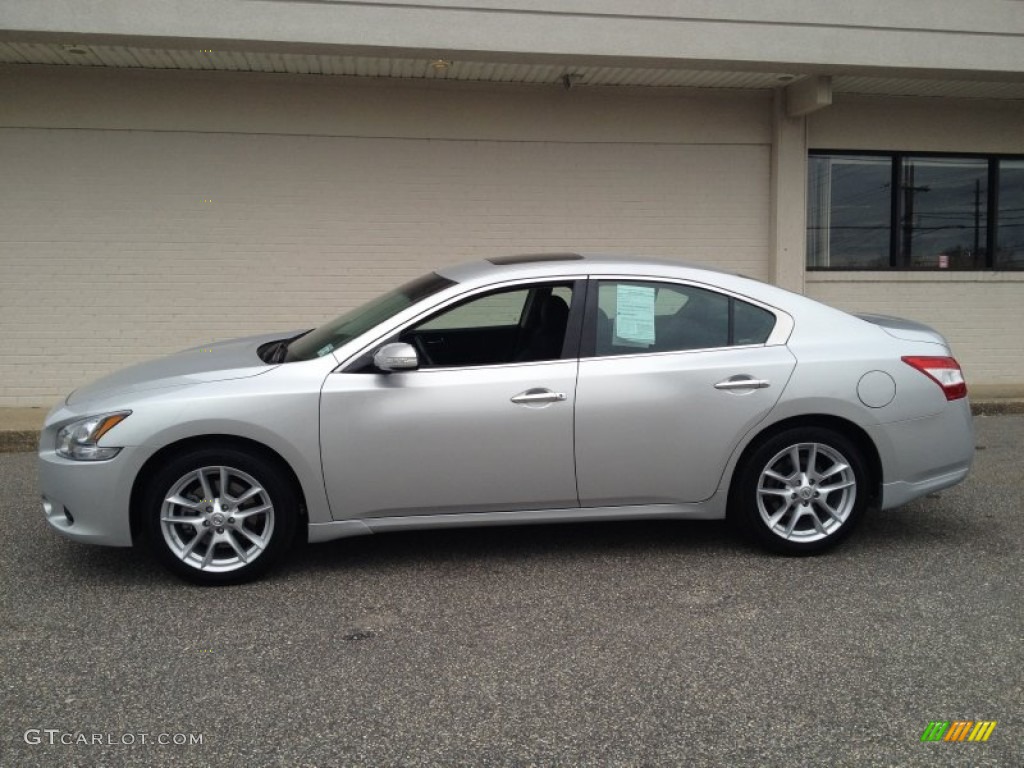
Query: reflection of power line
point(977, 212)
point(909, 189)
point(835, 227)
point(918, 231)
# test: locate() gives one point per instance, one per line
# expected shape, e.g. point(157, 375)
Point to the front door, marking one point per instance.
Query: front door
point(486, 423)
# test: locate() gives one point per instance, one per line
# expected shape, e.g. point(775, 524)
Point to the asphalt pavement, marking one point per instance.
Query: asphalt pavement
point(614, 644)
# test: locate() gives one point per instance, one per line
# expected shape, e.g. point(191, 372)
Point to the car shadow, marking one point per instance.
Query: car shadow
point(915, 526)
point(123, 566)
point(473, 546)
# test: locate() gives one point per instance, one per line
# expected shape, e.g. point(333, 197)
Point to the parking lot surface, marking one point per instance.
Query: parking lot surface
point(619, 644)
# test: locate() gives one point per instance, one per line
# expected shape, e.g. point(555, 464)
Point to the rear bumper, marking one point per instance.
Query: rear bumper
point(898, 493)
point(921, 456)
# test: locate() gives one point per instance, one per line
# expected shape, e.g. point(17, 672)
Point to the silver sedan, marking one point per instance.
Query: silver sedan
point(528, 389)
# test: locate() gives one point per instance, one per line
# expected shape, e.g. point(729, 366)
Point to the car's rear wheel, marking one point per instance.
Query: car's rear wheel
point(801, 491)
point(220, 515)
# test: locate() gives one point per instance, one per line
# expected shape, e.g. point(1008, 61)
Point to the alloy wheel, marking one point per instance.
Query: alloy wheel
point(806, 492)
point(217, 519)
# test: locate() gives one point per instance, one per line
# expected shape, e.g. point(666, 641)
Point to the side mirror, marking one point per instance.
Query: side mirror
point(396, 357)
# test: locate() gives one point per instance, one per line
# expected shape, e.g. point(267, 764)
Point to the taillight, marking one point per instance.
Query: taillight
point(944, 371)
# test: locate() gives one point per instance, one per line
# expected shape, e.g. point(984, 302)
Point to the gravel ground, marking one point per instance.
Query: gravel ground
point(619, 644)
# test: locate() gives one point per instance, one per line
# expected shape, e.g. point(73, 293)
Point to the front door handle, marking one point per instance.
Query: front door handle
point(744, 382)
point(538, 396)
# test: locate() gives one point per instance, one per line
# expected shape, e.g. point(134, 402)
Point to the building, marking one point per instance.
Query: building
point(179, 172)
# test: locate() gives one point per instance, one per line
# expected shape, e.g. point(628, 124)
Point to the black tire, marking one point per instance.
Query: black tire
point(757, 499)
point(226, 549)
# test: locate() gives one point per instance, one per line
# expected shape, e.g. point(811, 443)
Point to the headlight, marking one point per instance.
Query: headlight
point(78, 439)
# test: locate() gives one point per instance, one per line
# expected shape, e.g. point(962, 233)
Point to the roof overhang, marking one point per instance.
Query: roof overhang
point(569, 72)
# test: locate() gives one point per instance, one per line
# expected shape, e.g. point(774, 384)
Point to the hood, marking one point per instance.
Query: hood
point(908, 330)
point(234, 359)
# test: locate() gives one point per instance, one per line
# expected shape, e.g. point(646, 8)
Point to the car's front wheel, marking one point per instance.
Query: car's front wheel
point(801, 491)
point(220, 515)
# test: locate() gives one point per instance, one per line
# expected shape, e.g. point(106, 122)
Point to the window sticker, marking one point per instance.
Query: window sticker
point(634, 315)
point(325, 350)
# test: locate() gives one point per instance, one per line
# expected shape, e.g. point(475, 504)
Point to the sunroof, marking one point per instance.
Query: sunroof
point(531, 258)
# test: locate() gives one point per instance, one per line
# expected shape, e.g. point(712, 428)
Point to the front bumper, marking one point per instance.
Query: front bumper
point(88, 500)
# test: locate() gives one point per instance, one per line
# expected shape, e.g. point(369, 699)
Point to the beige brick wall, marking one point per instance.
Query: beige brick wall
point(120, 245)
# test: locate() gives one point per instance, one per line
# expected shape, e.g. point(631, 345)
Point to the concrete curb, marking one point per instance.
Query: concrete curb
point(997, 407)
point(21, 440)
point(16, 440)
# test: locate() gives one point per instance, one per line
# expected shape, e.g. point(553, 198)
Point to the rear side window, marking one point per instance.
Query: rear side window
point(751, 325)
point(638, 316)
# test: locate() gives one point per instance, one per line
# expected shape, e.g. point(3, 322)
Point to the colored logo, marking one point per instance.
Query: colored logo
point(959, 730)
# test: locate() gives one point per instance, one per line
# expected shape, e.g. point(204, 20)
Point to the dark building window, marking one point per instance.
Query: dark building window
point(914, 211)
point(848, 225)
point(1010, 218)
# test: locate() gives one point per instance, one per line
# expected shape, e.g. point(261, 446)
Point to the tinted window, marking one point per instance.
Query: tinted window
point(496, 309)
point(635, 316)
point(533, 258)
point(751, 325)
point(523, 324)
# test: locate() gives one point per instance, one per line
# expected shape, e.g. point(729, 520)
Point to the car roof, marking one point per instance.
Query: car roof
point(549, 264)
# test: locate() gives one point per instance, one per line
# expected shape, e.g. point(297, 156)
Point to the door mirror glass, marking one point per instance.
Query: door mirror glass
point(396, 357)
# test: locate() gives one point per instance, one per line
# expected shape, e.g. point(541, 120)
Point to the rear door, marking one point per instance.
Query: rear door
point(672, 376)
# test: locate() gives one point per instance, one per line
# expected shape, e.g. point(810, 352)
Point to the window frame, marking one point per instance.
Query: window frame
point(896, 260)
point(588, 342)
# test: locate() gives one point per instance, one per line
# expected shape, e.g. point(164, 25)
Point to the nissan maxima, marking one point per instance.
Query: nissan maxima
point(529, 389)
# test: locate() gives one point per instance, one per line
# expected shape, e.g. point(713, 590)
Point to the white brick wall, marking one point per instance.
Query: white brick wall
point(110, 254)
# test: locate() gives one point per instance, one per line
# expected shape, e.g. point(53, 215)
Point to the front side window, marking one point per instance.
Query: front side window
point(513, 325)
point(495, 310)
point(901, 210)
point(637, 316)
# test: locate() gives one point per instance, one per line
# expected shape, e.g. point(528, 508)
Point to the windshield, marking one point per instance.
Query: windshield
point(343, 329)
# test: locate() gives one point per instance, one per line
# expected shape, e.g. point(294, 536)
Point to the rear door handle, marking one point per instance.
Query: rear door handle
point(744, 382)
point(538, 396)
